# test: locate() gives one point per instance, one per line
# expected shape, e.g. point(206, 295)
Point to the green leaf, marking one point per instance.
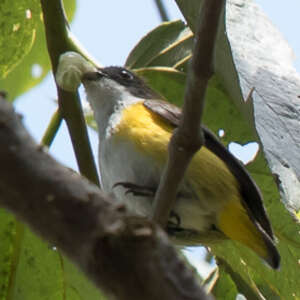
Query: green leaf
point(7, 233)
point(166, 45)
point(77, 285)
point(17, 31)
point(36, 273)
point(224, 288)
point(32, 67)
point(240, 284)
point(31, 269)
point(166, 81)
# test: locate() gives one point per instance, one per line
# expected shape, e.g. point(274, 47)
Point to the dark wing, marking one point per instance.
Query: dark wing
point(248, 188)
point(165, 110)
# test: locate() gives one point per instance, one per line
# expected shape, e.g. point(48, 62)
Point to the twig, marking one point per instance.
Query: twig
point(52, 129)
point(127, 256)
point(188, 138)
point(58, 42)
point(162, 10)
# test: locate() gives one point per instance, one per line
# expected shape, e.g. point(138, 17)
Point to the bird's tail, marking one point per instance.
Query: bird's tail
point(237, 225)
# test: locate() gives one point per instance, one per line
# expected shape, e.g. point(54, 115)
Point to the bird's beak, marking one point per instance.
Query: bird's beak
point(92, 75)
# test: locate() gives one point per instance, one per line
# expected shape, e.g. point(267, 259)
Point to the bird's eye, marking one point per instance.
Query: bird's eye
point(126, 75)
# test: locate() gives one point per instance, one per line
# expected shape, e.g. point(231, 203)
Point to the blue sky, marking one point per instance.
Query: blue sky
point(109, 30)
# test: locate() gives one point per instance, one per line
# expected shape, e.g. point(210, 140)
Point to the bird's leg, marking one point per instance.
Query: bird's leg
point(174, 220)
point(174, 223)
point(146, 191)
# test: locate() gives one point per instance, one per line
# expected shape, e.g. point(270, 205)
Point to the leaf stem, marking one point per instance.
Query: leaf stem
point(52, 129)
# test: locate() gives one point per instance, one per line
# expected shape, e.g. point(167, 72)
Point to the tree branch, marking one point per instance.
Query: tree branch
point(58, 42)
point(188, 137)
point(79, 219)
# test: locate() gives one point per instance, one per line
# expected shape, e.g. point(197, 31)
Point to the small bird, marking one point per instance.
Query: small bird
point(217, 195)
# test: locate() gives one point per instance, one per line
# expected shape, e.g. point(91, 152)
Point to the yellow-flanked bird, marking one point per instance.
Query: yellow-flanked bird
point(217, 195)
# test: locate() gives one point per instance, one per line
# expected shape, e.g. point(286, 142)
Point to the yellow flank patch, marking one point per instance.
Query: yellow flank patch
point(236, 224)
point(145, 130)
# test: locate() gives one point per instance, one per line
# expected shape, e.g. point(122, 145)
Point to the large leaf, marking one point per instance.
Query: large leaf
point(17, 31)
point(224, 288)
point(32, 64)
point(31, 269)
point(169, 44)
point(7, 233)
point(157, 77)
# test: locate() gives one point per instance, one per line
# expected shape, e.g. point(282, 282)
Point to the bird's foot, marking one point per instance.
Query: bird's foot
point(174, 221)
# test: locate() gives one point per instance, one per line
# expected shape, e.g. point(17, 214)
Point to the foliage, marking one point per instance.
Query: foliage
point(24, 58)
point(31, 269)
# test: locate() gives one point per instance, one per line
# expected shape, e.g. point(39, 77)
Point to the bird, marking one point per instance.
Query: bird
point(217, 197)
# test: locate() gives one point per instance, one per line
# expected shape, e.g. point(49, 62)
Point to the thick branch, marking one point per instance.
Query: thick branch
point(188, 138)
point(127, 256)
point(58, 42)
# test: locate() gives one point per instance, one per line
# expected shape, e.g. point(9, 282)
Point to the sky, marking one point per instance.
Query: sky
point(109, 30)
